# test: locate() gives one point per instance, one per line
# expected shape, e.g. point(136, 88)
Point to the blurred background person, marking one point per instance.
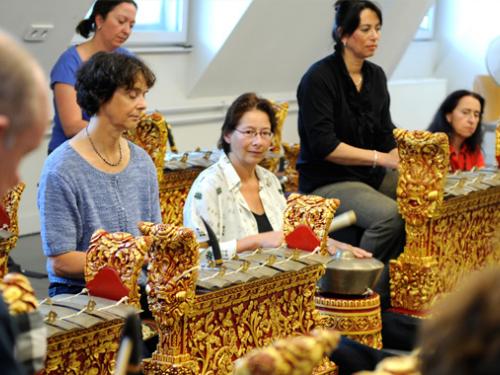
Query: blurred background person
point(463, 336)
point(111, 24)
point(24, 117)
point(459, 116)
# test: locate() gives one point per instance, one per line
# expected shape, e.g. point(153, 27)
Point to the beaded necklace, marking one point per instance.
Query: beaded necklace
point(99, 154)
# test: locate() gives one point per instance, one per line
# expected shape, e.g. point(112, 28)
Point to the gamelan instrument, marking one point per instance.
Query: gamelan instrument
point(452, 221)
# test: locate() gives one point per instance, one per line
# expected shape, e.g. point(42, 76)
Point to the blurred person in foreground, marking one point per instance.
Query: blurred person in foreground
point(24, 116)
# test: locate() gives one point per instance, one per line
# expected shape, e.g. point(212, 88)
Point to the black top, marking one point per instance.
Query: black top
point(263, 224)
point(8, 332)
point(331, 111)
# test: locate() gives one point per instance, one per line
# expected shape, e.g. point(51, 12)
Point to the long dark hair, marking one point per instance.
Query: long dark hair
point(347, 18)
point(243, 104)
point(440, 122)
point(101, 8)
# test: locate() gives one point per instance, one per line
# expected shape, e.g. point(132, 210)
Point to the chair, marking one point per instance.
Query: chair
point(11, 204)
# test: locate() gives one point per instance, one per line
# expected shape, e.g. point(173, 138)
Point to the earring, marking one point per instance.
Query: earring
point(99, 27)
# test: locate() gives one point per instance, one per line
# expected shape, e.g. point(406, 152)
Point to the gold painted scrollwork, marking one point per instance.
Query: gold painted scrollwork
point(18, 293)
point(291, 151)
point(171, 290)
point(85, 351)
point(359, 319)
point(315, 211)
point(10, 202)
point(497, 143)
point(226, 324)
point(445, 238)
point(122, 252)
point(151, 134)
point(423, 168)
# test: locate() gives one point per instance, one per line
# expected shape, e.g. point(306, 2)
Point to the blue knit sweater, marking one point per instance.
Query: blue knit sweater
point(75, 199)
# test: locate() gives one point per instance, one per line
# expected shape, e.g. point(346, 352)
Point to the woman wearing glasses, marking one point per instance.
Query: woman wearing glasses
point(459, 116)
point(240, 200)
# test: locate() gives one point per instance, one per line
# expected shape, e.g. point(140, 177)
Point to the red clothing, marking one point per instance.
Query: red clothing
point(465, 159)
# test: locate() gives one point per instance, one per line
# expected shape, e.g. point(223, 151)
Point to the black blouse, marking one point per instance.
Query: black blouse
point(332, 111)
point(263, 224)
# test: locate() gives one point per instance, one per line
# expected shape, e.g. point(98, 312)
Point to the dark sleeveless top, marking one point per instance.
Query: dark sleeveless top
point(263, 224)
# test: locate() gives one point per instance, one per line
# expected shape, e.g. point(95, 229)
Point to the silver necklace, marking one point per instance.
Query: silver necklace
point(99, 154)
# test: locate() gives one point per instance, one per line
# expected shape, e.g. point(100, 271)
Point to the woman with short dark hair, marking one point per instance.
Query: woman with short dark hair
point(97, 179)
point(110, 24)
point(460, 116)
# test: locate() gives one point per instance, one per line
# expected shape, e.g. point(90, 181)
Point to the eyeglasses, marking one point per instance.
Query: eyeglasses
point(251, 133)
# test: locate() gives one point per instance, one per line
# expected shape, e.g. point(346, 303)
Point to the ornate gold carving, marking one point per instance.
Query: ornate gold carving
point(291, 356)
point(292, 175)
point(226, 324)
point(10, 202)
point(85, 351)
point(151, 134)
point(315, 211)
point(446, 239)
point(171, 292)
point(414, 282)
point(272, 163)
point(205, 333)
point(497, 143)
point(122, 252)
point(359, 319)
point(18, 293)
point(424, 161)
point(174, 189)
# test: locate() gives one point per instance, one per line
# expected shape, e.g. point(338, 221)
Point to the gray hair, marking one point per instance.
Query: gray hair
point(19, 87)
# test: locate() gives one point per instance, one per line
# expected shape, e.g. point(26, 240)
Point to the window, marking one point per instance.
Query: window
point(160, 22)
point(426, 29)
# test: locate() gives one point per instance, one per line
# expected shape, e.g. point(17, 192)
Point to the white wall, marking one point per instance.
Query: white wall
point(464, 29)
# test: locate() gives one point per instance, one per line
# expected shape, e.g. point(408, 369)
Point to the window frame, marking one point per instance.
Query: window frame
point(427, 33)
point(141, 38)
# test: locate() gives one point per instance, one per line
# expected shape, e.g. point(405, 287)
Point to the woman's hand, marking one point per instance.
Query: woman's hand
point(262, 240)
point(271, 239)
point(333, 245)
point(389, 160)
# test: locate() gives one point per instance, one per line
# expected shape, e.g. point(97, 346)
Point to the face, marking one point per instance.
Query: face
point(126, 106)
point(248, 150)
point(18, 145)
point(464, 119)
point(363, 42)
point(115, 29)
